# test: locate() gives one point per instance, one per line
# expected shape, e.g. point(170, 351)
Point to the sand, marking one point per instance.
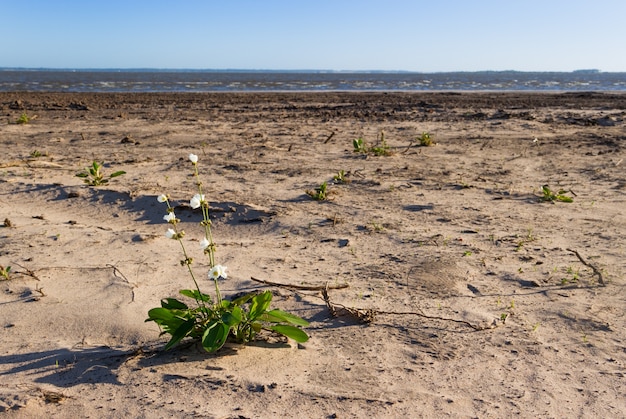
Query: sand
point(468, 295)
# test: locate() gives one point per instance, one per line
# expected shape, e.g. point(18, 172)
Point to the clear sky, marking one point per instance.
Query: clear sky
point(413, 35)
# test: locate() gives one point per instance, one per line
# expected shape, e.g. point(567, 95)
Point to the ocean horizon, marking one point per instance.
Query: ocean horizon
point(243, 80)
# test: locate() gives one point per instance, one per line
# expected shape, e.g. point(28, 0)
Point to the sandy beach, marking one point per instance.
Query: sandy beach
point(469, 296)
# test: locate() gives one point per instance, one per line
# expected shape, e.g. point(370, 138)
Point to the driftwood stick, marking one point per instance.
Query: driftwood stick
point(369, 315)
point(420, 314)
point(28, 272)
point(589, 265)
point(332, 134)
point(301, 287)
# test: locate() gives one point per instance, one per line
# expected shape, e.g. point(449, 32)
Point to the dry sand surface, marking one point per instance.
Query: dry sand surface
point(486, 301)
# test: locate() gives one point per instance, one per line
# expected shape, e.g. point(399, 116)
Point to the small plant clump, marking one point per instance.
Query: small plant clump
point(425, 140)
point(320, 193)
point(551, 196)
point(4, 272)
point(23, 119)
point(341, 177)
point(93, 175)
point(214, 320)
point(359, 145)
point(380, 149)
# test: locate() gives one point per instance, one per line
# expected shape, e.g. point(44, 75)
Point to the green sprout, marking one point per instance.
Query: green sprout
point(425, 140)
point(551, 196)
point(340, 177)
point(320, 193)
point(23, 119)
point(93, 175)
point(359, 146)
point(4, 272)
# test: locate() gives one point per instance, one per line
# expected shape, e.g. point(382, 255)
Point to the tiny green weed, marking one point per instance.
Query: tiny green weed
point(341, 177)
point(359, 146)
point(23, 119)
point(425, 140)
point(551, 196)
point(4, 272)
point(320, 193)
point(380, 149)
point(93, 175)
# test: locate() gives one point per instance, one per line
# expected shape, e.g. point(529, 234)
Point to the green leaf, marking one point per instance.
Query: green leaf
point(196, 295)
point(169, 320)
point(173, 303)
point(243, 299)
point(283, 316)
point(118, 173)
point(181, 332)
point(291, 332)
point(232, 318)
point(82, 174)
point(215, 336)
point(260, 303)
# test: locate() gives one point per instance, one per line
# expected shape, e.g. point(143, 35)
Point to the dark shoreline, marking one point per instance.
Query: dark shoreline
point(326, 105)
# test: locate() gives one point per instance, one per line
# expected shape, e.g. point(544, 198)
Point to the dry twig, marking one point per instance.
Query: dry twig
point(589, 265)
point(368, 315)
point(301, 287)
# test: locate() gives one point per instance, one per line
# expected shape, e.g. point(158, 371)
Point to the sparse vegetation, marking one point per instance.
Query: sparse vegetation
point(320, 193)
point(381, 148)
point(4, 272)
point(341, 177)
point(93, 175)
point(23, 119)
point(425, 140)
point(551, 196)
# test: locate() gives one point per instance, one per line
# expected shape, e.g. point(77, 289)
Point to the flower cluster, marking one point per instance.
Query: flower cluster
point(206, 244)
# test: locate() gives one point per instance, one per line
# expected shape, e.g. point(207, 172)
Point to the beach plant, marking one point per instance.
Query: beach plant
point(359, 145)
point(212, 319)
point(4, 272)
point(320, 193)
point(425, 140)
point(341, 177)
point(23, 119)
point(380, 149)
point(550, 196)
point(93, 175)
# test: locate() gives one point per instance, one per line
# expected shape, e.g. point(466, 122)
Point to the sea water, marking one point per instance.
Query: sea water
point(46, 80)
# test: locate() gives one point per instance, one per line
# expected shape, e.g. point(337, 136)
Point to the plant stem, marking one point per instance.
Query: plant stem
point(206, 222)
point(188, 263)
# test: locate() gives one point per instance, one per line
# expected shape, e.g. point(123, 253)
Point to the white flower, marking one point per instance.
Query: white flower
point(193, 158)
point(204, 243)
point(169, 217)
point(196, 201)
point(217, 272)
point(162, 198)
point(170, 233)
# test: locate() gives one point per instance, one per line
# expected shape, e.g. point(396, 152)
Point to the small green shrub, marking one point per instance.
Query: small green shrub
point(93, 175)
point(320, 193)
point(551, 196)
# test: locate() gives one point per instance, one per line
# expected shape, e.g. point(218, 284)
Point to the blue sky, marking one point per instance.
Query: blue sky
point(435, 35)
